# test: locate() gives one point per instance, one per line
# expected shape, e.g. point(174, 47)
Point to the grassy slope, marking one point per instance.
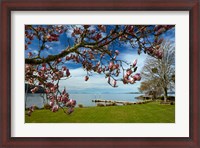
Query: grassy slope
point(141, 113)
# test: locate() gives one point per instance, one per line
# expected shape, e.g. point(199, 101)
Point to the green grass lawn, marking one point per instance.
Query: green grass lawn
point(141, 113)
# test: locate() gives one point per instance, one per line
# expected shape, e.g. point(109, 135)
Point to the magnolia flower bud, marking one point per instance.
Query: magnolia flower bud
point(43, 65)
point(59, 60)
point(64, 91)
point(64, 68)
point(150, 50)
point(117, 52)
point(70, 110)
point(52, 89)
point(30, 54)
point(109, 80)
point(86, 78)
point(160, 31)
point(67, 73)
point(115, 83)
point(116, 66)
point(111, 65)
point(98, 64)
point(99, 70)
point(134, 62)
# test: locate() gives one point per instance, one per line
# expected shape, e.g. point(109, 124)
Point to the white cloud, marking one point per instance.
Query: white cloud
point(92, 27)
point(69, 32)
point(78, 72)
point(35, 51)
point(96, 83)
point(131, 56)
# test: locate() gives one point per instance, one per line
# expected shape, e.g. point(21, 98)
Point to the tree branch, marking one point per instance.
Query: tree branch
point(51, 58)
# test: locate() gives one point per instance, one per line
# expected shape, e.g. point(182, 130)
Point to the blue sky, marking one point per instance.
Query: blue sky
point(97, 84)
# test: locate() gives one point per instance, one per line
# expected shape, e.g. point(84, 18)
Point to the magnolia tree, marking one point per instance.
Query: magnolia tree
point(94, 47)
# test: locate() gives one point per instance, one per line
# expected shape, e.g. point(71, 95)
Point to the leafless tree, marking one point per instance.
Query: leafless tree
point(161, 72)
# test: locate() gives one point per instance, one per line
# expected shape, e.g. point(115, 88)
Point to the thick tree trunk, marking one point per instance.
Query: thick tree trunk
point(165, 94)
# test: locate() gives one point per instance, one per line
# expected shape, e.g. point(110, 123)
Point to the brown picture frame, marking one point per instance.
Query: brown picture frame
point(7, 6)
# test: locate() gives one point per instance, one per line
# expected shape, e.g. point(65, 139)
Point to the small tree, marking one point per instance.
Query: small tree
point(94, 47)
point(160, 73)
point(151, 87)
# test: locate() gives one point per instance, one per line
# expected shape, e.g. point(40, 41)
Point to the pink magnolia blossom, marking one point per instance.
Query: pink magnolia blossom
point(47, 91)
point(43, 69)
point(51, 103)
point(55, 108)
point(67, 58)
point(132, 81)
point(33, 91)
point(129, 72)
point(125, 80)
point(64, 68)
point(137, 77)
point(59, 98)
point(43, 64)
point(159, 54)
point(29, 113)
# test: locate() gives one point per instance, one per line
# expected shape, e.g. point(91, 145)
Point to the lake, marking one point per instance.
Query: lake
point(84, 99)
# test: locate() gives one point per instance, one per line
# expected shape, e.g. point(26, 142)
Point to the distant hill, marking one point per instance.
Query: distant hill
point(40, 89)
point(134, 93)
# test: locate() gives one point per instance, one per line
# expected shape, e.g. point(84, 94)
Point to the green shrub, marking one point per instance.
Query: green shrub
point(36, 107)
point(47, 106)
point(100, 104)
point(80, 105)
point(170, 98)
point(111, 104)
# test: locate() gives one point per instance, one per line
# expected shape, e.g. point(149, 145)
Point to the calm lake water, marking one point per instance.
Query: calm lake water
point(84, 99)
